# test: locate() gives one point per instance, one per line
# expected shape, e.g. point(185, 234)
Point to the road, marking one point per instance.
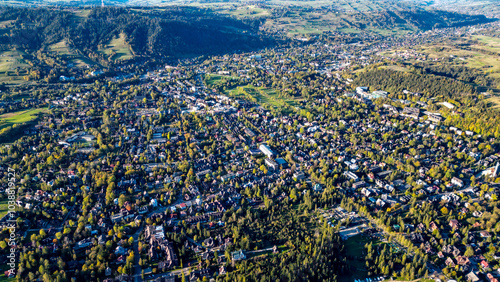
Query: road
point(137, 255)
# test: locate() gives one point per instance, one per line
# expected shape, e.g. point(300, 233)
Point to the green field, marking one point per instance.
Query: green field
point(266, 97)
point(475, 58)
point(3, 207)
point(213, 79)
point(495, 100)
point(10, 119)
point(12, 66)
point(117, 49)
point(61, 48)
point(355, 248)
point(248, 11)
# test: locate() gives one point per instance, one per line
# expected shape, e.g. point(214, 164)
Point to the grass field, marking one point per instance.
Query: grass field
point(266, 97)
point(495, 100)
point(396, 68)
point(61, 48)
point(3, 207)
point(10, 119)
point(261, 95)
point(475, 58)
point(117, 49)
point(491, 42)
point(12, 66)
point(249, 11)
point(213, 79)
point(355, 248)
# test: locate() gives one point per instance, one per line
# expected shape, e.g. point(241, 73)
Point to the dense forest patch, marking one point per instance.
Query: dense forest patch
point(174, 31)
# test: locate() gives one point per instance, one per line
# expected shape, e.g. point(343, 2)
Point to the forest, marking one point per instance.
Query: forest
point(158, 33)
point(474, 112)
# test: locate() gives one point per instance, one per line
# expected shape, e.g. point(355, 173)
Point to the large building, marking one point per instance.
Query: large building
point(266, 150)
point(411, 112)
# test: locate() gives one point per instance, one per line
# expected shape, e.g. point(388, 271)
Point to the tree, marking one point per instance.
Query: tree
point(469, 252)
point(444, 210)
point(122, 199)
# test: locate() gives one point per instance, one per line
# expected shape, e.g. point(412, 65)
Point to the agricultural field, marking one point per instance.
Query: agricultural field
point(10, 119)
point(317, 21)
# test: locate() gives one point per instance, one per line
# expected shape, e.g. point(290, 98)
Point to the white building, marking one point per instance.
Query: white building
point(266, 150)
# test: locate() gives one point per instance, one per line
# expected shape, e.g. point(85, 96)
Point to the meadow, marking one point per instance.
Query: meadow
point(12, 66)
point(10, 119)
point(117, 49)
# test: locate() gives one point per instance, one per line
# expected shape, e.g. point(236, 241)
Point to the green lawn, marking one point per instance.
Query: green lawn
point(10, 119)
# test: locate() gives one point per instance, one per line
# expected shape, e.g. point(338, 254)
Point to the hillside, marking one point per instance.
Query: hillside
point(164, 32)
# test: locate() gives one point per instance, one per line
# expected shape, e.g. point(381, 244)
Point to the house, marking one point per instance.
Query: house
point(222, 270)
point(457, 182)
point(358, 184)
point(485, 234)
point(454, 223)
point(238, 255)
point(472, 277)
point(462, 260)
point(365, 191)
point(435, 118)
point(351, 175)
point(491, 278)
point(485, 264)
point(361, 90)
point(449, 262)
point(317, 187)
point(198, 275)
point(433, 226)
point(299, 175)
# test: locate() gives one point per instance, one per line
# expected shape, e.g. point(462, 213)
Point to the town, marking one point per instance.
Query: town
point(218, 168)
